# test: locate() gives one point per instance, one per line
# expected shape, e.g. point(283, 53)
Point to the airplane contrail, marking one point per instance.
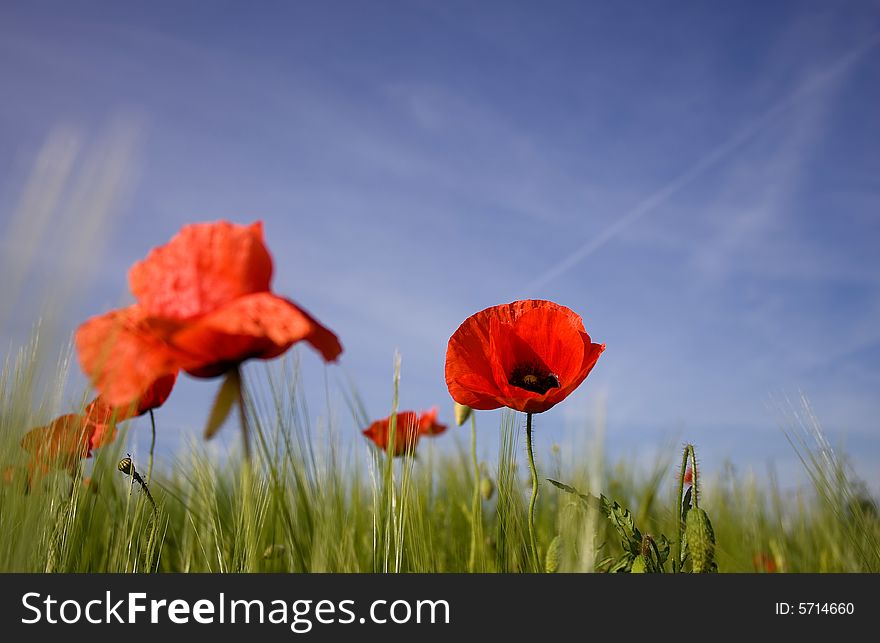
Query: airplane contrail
point(815, 83)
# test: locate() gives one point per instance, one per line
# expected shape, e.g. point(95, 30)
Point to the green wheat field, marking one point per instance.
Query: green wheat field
point(305, 503)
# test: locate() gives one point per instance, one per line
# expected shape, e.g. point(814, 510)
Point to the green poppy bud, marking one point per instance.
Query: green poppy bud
point(700, 540)
point(462, 413)
point(487, 488)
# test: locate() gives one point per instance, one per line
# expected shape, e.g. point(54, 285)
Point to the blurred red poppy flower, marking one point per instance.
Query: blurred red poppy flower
point(527, 355)
point(72, 437)
point(63, 443)
point(204, 306)
point(410, 428)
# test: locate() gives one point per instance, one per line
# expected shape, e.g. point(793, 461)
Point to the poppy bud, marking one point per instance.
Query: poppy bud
point(462, 413)
point(487, 488)
point(700, 540)
point(640, 565)
point(551, 561)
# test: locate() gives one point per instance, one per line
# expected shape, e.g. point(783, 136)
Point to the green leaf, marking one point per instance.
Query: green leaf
point(639, 566)
point(226, 396)
point(663, 548)
point(623, 564)
point(605, 562)
point(630, 536)
point(591, 502)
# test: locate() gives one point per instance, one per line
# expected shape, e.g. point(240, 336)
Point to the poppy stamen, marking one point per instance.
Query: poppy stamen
point(534, 378)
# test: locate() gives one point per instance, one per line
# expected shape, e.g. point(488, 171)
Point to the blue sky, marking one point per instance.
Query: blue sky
point(699, 181)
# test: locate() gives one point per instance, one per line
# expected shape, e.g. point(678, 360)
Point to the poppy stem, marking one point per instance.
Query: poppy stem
point(243, 413)
point(476, 514)
point(152, 446)
point(532, 539)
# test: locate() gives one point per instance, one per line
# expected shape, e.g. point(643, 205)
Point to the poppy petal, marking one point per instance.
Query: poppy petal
point(558, 339)
point(473, 391)
point(428, 424)
point(469, 372)
point(100, 435)
point(591, 355)
point(124, 355)
point(205, 266)
point(261, 325)
point(157, 393)
point(98, 411)
point(60, 444)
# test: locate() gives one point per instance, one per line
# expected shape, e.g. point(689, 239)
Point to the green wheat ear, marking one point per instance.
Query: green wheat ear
point(551, 560)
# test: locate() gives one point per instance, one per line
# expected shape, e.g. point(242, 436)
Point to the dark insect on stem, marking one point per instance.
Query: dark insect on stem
point(126, 466)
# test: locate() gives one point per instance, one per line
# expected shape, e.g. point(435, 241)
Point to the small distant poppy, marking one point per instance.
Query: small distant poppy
point(764, 563)
point(204, 306)
point(409, 429)
point(527, 355)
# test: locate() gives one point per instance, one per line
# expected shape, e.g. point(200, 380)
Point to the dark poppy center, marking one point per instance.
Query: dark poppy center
point(533, 378)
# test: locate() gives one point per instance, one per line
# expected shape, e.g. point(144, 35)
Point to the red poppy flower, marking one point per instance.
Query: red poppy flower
point(203, 306)
point(410, 428)
point(527, 355)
